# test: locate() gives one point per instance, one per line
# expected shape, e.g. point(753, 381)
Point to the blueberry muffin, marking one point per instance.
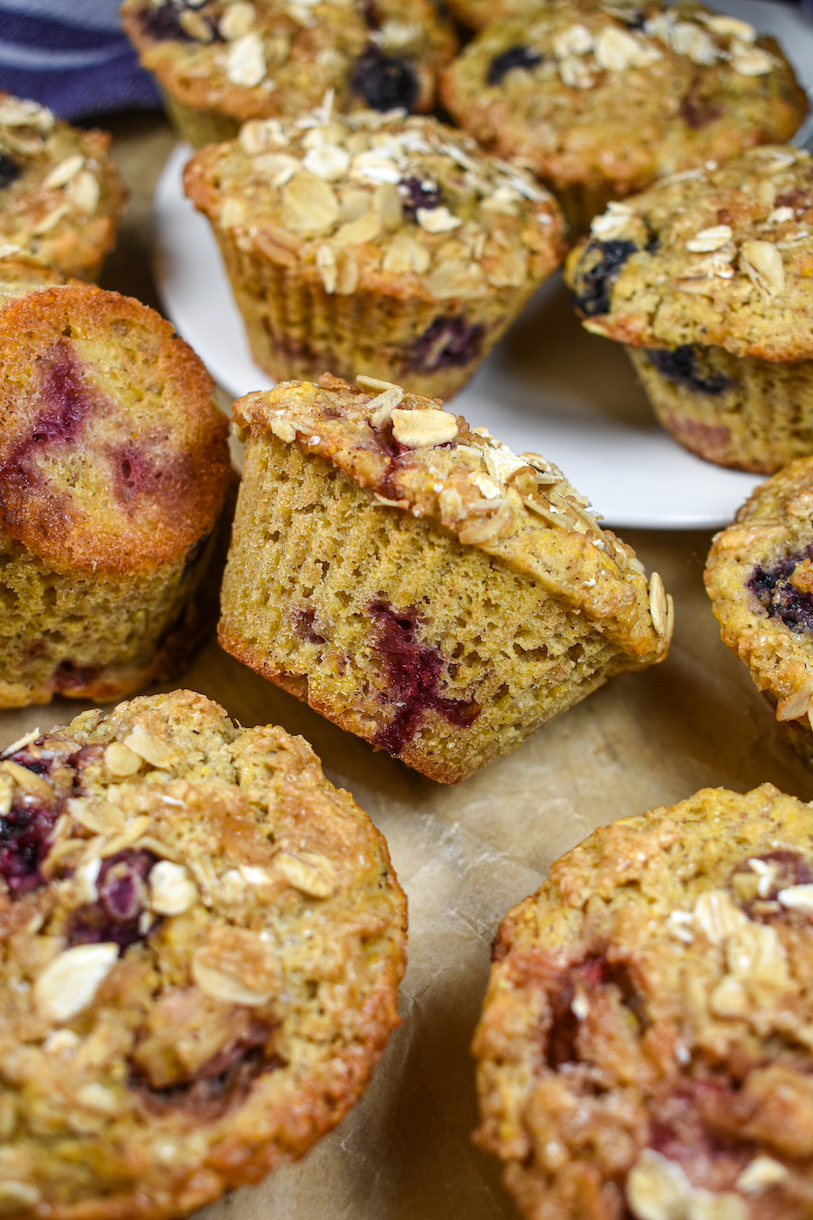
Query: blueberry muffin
point(416, 582)
point(113, 471)
point(386, 245)
point(61, 198)
point(759, 576)
point(644, 1050)
point(706, 280)
point(221, 62)
point(203, 940)
point(601, 99)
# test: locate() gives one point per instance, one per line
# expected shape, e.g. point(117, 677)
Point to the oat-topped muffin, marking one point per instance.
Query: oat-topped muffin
point(645, 1047)
point(387, 245)
point(61, 198)
point(418, 583)
point(759, 576)
point(601, 99)
point(114, 466)
point(705, 278)
point(220, 62)
point(203, 940)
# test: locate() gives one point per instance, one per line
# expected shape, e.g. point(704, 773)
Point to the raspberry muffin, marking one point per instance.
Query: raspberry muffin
point(706, 279)
point(644, 1049)
point(600, 99)
point(61, 198)
point(386, 245)
point(203, 940)
point(113, 471)
point(759, 576)
point(221, 62)
point(416, 582)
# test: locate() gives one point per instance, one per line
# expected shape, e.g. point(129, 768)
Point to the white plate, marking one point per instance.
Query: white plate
point(548, 387)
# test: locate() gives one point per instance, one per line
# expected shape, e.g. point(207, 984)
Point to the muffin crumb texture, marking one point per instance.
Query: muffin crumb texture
point(202, 941)
point(645, 1048)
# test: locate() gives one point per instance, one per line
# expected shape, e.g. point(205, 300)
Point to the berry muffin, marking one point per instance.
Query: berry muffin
point(203, 940)
point(61, 198)
point(645, 1047)
point(114, 465)
point(221, 62)
point(759, 576)
point(706, 279)
point(600, 100)
point(385, 245)
point(416, 582)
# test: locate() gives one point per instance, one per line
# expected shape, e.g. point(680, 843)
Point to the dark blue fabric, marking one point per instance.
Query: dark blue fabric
point(71, 55)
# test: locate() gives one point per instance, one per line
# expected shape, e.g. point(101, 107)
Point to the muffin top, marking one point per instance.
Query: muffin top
point(759, 576)
point(416, 458)
point(720, 256)
point(645, 1048)
point(202, 941)
point(615, 95)
point(260, 58)
point(61, 198)
point(477, 13)
point(113, 456)
point(386, 203)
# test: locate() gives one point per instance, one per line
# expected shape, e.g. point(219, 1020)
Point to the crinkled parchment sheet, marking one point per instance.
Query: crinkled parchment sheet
point(466, 854)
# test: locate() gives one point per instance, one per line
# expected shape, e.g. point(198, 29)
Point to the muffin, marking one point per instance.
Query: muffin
point(377, 244)
point(417, 583)
point(221, 62)
point(600, 99)
point(645, 1049)
point(113, 470)
point(759, 576)
point(705, 278)
point(474, 14)
point(203, 942)
point(61, 198)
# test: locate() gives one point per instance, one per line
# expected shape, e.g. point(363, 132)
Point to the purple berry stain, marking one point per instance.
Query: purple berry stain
point(384, 82)
point(597, 272)
point(413, 675)
point(66, 405)
point(447, 343)
point(163, 23)
point(9, 171)
point(418, 194)
point(25, 832)
point(680, 367)
point(122, 889)
point(515, 57)
point(774, 589)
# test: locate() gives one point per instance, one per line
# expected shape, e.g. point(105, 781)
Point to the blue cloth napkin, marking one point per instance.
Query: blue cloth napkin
point(72, 56)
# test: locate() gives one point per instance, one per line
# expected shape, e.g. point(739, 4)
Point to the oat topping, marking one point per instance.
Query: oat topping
point(377, 195)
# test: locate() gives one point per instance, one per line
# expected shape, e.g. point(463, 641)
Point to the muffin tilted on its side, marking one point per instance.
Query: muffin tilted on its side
point(706, 279)
point(644, 1049)
point(61, 197)
point(203, 948)
point(386, 245)
point(600, 99)
point(416, 582)
point(114, 466)
point(759, 576)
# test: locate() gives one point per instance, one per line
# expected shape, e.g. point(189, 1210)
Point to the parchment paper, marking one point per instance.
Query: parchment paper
point(466, 854)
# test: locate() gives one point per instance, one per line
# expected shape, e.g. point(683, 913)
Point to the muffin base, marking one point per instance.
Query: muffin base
point(734, 411)
point(195, 126)
point(326, 594)
point(297, 330)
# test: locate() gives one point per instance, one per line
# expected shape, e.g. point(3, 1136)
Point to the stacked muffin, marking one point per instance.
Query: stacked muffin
point(374, 244)
point(600, 99)
point(221, 62)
